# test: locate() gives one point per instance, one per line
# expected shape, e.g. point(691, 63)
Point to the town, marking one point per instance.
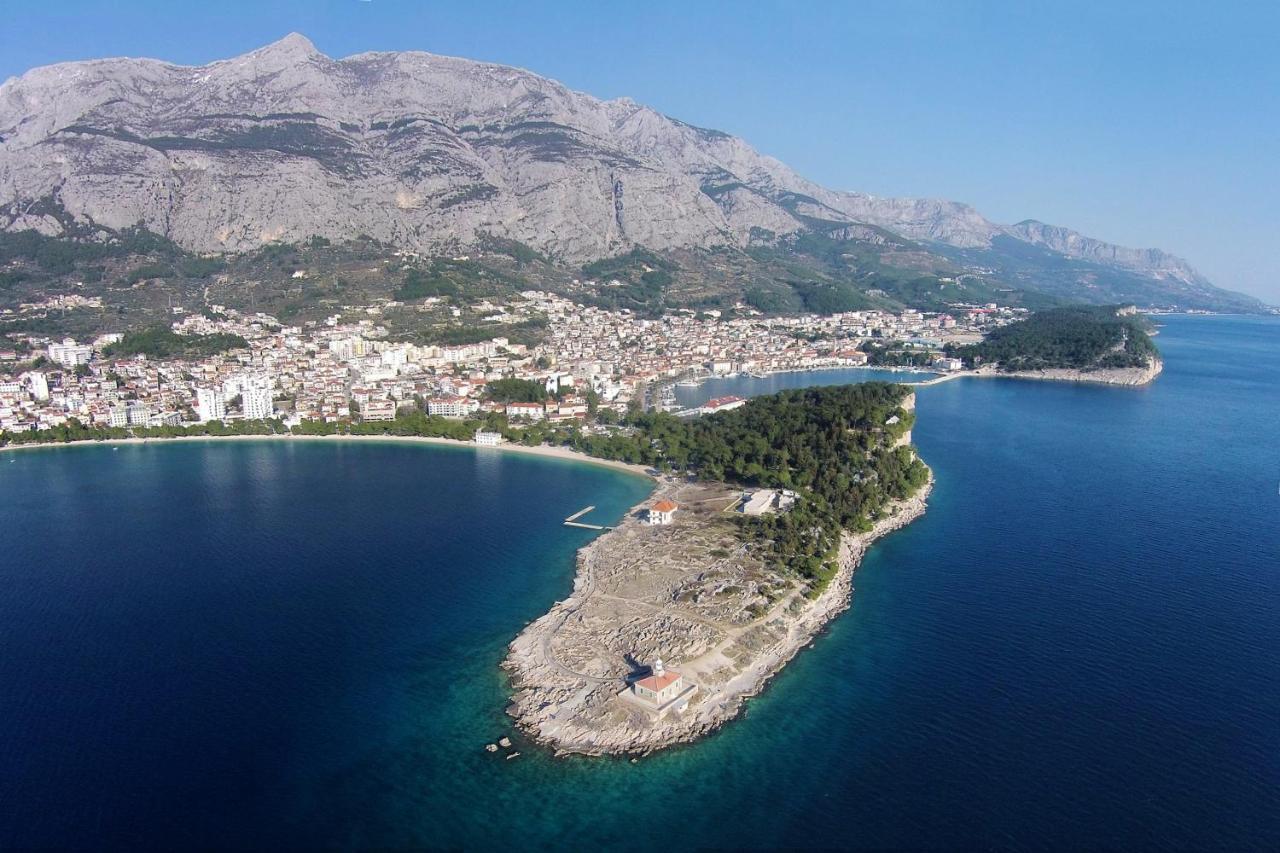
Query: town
point(348, 367)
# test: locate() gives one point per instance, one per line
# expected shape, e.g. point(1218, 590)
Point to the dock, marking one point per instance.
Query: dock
point(572, 521)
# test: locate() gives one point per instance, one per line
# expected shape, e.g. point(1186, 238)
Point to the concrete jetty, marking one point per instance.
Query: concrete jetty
point(572, 521)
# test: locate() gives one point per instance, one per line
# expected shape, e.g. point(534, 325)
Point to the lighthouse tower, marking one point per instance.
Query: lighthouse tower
point(657, 666)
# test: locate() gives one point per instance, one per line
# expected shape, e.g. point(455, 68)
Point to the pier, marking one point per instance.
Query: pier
point(572, 521)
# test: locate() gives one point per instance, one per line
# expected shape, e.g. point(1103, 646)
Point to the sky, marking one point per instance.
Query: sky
point(1141, 123)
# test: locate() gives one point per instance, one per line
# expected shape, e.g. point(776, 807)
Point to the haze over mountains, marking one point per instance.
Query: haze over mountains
point(436, 153)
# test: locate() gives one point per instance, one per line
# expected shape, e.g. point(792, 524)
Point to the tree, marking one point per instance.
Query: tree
point(510, 390)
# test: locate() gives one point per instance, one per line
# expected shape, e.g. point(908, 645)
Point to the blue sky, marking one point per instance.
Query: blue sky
point(1147, 124)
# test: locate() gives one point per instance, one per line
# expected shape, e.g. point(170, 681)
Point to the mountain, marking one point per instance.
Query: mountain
point(436, 153)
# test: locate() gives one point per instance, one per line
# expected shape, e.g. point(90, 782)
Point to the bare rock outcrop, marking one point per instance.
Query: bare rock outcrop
point(1127, 376)
point(425, 152)
point(570, 668)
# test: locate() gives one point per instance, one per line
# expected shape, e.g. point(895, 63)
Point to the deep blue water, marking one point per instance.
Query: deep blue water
point(262, 645)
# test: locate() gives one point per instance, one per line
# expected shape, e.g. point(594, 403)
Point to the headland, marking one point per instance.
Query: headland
point(688, 593)
point(701, 594)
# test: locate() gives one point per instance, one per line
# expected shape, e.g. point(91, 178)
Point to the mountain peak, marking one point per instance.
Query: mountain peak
point(429, 152)
point(294, 46)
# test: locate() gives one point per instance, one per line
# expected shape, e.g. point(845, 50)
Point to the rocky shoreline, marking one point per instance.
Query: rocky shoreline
point(567, 668)
point(1133, 377)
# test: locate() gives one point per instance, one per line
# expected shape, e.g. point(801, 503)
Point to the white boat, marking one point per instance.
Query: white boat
point(688, 383)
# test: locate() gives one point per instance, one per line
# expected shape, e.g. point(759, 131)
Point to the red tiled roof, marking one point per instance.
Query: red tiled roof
point(664, 506)
point(658, 683)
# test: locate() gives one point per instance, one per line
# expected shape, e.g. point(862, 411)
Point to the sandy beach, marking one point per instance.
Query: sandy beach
point(547, 451)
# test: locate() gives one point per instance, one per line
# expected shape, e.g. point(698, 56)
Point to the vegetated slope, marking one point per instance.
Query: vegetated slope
point(837, 446)
point(1074, 337)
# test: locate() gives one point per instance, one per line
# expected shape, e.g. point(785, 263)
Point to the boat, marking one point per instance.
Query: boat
point(689, 383)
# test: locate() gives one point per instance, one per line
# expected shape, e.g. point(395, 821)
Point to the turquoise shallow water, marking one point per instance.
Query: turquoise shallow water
point(255, 645)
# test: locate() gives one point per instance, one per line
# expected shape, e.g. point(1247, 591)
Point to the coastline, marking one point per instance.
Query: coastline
point(572, 711)
point(1131, 377)
point(543, 450)
point(1125, 377)
point(765, 374)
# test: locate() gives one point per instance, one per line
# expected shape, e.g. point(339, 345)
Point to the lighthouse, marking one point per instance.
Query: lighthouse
point(660, 686)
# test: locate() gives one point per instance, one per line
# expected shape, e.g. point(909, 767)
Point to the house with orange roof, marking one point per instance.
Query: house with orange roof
point(660, 686)
point(662, 512)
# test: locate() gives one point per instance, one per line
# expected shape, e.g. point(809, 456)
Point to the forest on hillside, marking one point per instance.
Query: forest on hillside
point(1079, 337)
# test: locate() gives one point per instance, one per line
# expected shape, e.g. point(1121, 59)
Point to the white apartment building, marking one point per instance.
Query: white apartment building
point(70, 354)
point(452, 407)
point(210, 405)
point(395, 357)
point(488, 439)
point(528, 411)
point(233, 386)
point(38, 384)
point(257, 404)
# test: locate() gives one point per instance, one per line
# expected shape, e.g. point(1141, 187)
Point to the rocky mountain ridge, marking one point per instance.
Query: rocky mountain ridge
point(430, 153)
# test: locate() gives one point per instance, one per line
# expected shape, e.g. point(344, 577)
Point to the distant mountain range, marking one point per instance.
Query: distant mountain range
point(439, 154)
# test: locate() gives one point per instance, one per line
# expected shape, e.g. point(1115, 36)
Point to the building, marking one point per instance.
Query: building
point(378, 410)
point(488, 439)
point(256, 404)
point(395, 357)
point(558, 381)
point(662, 512)
point(759, 502)
point(452, 407)
point(528, 411)
point(210, 405)
point(38, 384)
point(660, 686)
point(70, 354)
point(948, 364)
point(722, 404)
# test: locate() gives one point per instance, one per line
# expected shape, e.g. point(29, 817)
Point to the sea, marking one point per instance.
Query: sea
point(256, 645)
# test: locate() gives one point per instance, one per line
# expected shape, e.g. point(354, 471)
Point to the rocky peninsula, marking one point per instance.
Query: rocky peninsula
point(1105, 345)
point(643, 593)
point(701, 594)
point(1134, 377)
